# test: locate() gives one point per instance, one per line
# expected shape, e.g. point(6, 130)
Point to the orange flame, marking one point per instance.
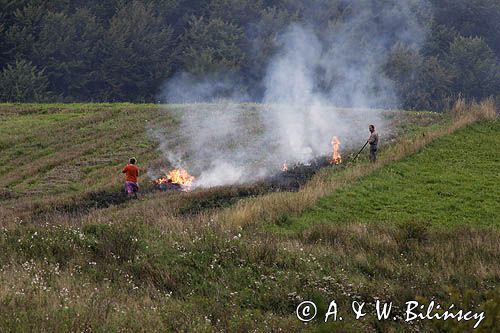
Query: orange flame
point(336, 158)
point(176, 176)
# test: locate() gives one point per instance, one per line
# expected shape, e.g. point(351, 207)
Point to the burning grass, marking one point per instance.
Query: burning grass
point(443, 184)
point(176, 179)
point(175, 262)
point(273, 206)
point(336, 157)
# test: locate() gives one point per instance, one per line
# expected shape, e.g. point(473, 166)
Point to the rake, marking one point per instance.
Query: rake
point(355, 157)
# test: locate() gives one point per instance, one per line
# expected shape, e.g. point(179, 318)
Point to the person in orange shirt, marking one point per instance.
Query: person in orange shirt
point(131, 172)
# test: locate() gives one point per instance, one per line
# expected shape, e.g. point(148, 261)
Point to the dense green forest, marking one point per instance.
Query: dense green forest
point(123, 50)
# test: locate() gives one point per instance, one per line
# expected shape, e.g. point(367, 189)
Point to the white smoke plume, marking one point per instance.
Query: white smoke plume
point(319, 83)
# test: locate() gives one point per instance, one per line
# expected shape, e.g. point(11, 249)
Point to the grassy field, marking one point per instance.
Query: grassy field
point(50, 147)
point(60, 155)
point(166, 263)
point(451, 182)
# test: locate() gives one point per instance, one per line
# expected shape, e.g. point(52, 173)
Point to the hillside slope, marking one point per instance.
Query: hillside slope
point(62, 158)
point(140, 267)
point(453, 181)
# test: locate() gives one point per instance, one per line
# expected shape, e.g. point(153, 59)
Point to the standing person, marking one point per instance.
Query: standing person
point(373, 141)
point(131, 172)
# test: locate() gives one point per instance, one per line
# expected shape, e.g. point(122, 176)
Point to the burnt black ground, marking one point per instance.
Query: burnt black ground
point(201, 199)
point(223, 196)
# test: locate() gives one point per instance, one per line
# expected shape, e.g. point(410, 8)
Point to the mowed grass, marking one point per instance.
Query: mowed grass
point(52, 147)
point(55, 154)
point(140, 266)
point(453, 181)
point(58, 155)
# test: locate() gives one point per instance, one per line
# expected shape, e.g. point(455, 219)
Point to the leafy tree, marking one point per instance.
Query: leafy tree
point(22, 82)
point(137, 53)
point(402, 67)
point(471, 18)
point(421, 83)
point(103, 11)
point(260, 44)
point(431, 88)
point(475, 67)
point(239, 12)
point(183, 11)
point(4, 49)
point(211, 45)
point(125, 49)
point(68, 47)
point(23, 33)
point(403, 63)
point(439, 40)
point(318, 12)
point(171, 13)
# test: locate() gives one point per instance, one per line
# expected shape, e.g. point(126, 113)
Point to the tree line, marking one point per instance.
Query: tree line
point(124, 50)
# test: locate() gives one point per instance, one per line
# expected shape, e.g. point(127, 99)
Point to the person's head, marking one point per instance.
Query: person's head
point(132, 160)
point(371, 128)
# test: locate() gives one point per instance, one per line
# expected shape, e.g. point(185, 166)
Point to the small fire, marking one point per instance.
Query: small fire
point(177, 176)
point(284, 168)
point(336, 158)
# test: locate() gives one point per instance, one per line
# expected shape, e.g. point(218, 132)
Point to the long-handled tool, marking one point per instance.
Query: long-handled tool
point(355, 157)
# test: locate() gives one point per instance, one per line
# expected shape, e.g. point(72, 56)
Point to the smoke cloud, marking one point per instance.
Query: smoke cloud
point(321, 82)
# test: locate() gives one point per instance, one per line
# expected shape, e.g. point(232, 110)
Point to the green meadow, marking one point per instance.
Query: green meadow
point(452, 182)
point(420, 224)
